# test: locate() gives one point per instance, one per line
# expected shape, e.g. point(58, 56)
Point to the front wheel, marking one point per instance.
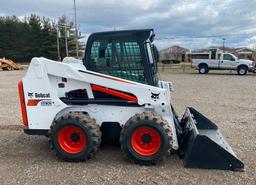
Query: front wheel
point(145, 138)
point(242, 70)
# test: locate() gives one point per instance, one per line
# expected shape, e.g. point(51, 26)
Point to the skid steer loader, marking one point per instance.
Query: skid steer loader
point(115, 92)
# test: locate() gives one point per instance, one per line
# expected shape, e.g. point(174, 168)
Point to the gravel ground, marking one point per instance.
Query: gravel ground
point(227, 99)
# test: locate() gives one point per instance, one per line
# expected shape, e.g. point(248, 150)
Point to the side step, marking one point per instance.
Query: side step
point(203, 146)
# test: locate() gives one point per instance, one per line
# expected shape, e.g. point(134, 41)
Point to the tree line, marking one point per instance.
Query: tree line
point(34, 36)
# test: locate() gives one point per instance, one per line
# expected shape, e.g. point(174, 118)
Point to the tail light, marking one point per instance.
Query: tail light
point(22, 103)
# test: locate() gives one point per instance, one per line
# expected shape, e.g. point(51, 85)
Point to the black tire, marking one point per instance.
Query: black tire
point(87, 129)
point(9, 68)
point(5, 69)
point(203, 69)
point(142, 121)
point(242, 70)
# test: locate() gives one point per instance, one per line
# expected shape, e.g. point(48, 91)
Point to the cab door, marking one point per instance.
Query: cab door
point(228, 61)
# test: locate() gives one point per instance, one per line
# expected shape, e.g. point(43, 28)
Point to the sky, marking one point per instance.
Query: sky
point(192, 24)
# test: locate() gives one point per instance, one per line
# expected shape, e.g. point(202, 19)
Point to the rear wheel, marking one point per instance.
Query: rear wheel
point(203, 69)
point(145, 138)
point(242, 70)
point(75, 137)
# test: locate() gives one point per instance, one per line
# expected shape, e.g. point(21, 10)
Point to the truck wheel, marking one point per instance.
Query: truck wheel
point(75, 137)
point(242, 70)
point(203, 69)
point(145, 138)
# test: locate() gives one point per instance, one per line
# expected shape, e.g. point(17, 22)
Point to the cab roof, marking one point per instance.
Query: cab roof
point(143, 34)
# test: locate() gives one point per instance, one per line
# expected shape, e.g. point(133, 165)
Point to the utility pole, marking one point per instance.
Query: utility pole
point(58, 43)
point(223, 44)
point(66, 39)
point(190, 55)
point(76, 29)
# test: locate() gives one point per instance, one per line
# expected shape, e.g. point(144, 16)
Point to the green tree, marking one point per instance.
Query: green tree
point(33, 36)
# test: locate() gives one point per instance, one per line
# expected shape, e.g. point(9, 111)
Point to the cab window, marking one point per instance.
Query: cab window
point(228, 57)
point(118, 58)
point(101, 55)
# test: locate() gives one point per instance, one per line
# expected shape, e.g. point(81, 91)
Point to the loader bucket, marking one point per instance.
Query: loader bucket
point(203, 146)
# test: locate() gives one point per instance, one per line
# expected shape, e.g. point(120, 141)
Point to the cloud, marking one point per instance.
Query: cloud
point(189, 23)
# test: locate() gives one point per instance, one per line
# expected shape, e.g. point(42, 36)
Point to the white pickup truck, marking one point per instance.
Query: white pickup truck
point(224, 61)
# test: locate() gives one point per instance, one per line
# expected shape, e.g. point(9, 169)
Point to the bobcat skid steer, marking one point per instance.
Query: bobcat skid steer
point(115, 92)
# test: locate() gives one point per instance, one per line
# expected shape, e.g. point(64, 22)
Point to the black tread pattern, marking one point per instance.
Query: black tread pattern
point(145, 116)
point(90, 123)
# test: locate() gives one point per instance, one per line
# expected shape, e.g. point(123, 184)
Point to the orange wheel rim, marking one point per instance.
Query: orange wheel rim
point(146, 141)
point(72, 139)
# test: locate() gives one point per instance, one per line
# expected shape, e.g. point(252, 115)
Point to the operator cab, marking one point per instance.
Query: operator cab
point(125, 54)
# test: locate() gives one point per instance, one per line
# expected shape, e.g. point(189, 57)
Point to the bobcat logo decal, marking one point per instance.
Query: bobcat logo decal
point(155, 96)
point(30, 94)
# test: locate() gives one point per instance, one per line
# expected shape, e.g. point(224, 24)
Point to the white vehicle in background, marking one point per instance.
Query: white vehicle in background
point(221, 61)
